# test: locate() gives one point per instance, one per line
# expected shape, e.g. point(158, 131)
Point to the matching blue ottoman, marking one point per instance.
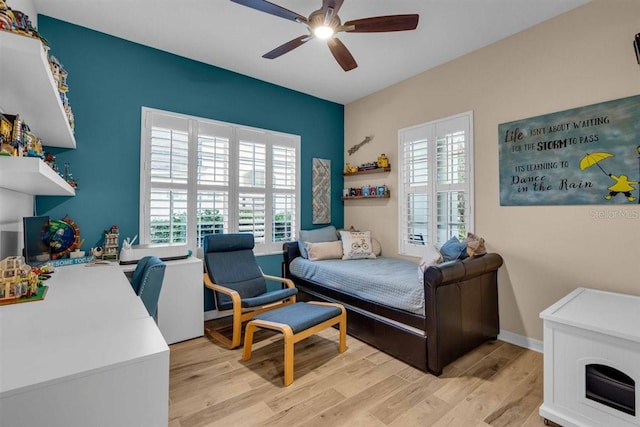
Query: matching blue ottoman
point(297, 322)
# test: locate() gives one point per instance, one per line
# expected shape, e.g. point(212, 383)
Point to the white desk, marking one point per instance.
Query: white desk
point(88, 355)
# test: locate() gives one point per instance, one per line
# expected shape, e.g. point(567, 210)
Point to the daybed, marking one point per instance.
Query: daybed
point(460, 311)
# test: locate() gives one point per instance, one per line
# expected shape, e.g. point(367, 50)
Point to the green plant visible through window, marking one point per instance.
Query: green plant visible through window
point(282, 227)
point(172, 230)
point(211, 221)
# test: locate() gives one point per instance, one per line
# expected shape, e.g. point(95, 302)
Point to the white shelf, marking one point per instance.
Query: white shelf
point(31, 175)
point(27, 88)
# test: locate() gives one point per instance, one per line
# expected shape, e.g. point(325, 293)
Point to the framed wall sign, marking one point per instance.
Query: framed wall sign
point(586, 155)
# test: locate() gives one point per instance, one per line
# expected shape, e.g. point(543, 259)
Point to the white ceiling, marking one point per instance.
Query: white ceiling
point(234, 37)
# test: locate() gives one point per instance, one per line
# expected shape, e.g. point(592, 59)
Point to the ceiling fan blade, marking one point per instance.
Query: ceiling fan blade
point(380, 24)
point(272, 9)
point(333, 4)
point(342, 54)
point(287, 47)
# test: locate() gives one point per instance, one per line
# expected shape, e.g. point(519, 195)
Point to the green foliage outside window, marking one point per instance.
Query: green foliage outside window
point(211, 221)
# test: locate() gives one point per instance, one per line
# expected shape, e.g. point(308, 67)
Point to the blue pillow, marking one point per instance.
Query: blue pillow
point(324, 234)
point(453, 249)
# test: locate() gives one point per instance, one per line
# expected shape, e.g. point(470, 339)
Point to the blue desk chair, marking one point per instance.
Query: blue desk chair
point(238, 284)
point(147, 282)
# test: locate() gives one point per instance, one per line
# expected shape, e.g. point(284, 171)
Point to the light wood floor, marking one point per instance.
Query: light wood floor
point(498, 384)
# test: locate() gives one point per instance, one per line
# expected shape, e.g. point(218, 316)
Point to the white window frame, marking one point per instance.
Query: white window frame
point(269, 138)
point(430, 131)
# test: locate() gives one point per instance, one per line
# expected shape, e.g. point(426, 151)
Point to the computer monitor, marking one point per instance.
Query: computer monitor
point(37, 249)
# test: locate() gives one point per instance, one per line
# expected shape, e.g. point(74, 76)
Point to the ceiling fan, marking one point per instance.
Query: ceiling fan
point(325, 23)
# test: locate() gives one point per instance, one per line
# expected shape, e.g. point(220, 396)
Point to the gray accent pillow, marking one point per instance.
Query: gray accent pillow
point(324, 234)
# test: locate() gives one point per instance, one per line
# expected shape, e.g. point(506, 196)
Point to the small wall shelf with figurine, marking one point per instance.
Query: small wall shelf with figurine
point(383, 196)
point(365, 171)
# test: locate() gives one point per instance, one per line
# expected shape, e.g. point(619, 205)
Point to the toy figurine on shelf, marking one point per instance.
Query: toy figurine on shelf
point(18, 22)
point(111, 245)
point(7, 18)
point(34, 147)
point(54, 64)
point(5, 136)
point(367, 166)
point(69, 177)
point(350, 169)
point(383, 161)
point(22, 23)
point(50, 160)
point(70, 117)
point(62, 84)
point(11, 126)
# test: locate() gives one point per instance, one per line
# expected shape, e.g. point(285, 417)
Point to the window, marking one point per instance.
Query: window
point(436, 183)
point(200, 176)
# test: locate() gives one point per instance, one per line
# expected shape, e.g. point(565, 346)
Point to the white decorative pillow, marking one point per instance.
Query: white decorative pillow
point(324, 234)
point(377, 248)
point(324, 250)
point(356, 245)
point(431, 256)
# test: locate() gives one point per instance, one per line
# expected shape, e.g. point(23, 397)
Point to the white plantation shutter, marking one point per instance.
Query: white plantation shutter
point(436, 180)
point(252, 209)
point(167, 170)
point(284, 186)
point(416, 191)
point(213, 179)
point(200, 177)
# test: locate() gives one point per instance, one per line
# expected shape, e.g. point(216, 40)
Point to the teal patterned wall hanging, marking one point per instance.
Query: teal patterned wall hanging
point(321, 191)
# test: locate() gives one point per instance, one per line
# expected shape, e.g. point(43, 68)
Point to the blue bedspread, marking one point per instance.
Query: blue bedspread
point(389, 281)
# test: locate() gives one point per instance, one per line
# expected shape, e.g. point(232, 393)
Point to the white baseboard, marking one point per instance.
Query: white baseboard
point(521, 341)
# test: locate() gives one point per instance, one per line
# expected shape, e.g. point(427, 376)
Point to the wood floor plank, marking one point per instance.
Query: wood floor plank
point(369, 377)
point(295, 394)
point(489, 395)
point(498, 384)
point(305, 410)
point(358, 406)
point(226, 408)
point(465, 362)
point(519, 404)
point(405, 398)
point(256, 415)
point(425, 413)
point(458, 388)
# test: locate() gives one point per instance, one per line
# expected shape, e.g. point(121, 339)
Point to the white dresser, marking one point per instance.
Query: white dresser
point(590, 329)
point(181, 305)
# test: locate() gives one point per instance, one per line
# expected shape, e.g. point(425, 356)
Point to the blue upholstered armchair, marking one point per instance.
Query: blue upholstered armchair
point(238, 284)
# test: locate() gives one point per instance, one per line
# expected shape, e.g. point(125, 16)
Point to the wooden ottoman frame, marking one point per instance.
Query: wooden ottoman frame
point(290, 338)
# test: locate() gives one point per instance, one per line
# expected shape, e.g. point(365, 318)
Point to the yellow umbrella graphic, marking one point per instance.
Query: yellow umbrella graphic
point(593, 159)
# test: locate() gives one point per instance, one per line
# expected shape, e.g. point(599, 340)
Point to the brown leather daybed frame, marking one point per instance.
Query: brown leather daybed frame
point(461, 312)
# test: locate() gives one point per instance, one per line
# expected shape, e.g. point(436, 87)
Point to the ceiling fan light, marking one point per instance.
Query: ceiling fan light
point(323, 32)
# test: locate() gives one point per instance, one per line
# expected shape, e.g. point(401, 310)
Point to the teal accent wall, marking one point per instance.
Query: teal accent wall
point(111, 79)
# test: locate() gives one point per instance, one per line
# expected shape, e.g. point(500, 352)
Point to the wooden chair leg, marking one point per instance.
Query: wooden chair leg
point(343, 332)
point(288, 356)
point(248, 341)
point(237, 326)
